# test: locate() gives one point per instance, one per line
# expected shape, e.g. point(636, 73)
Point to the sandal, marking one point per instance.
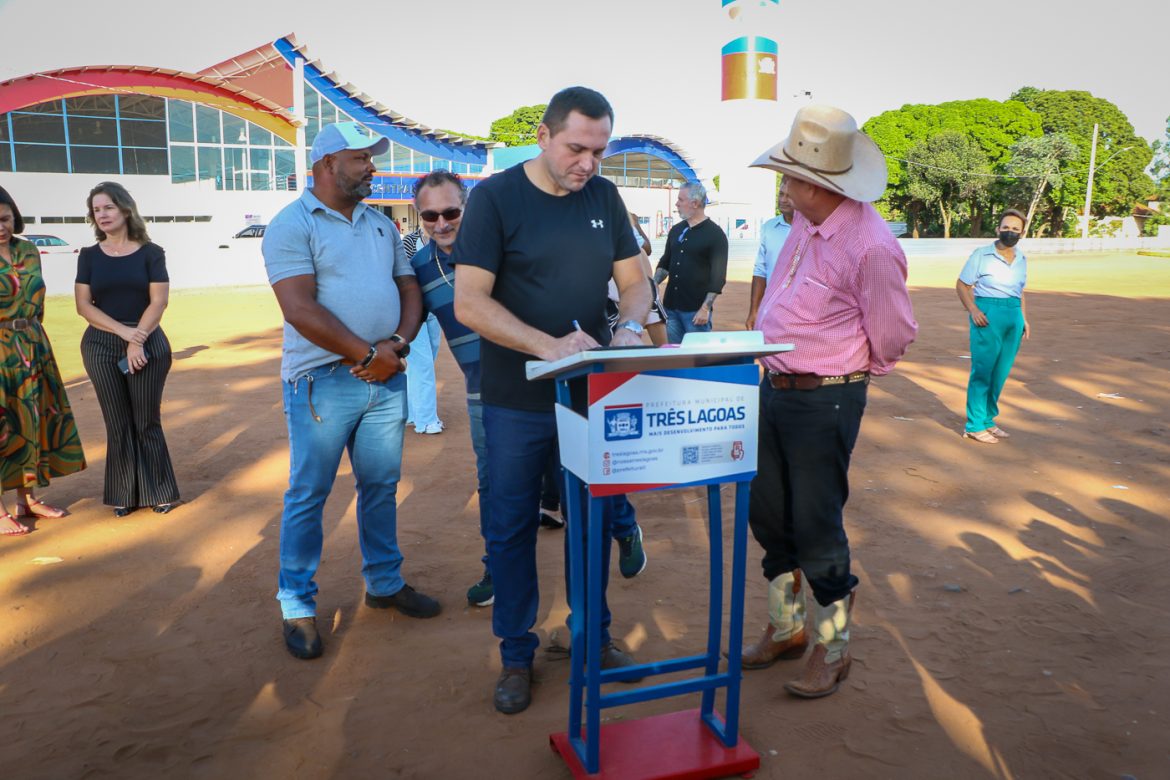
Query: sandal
point(48, 508)
point(984, 436)
point(20, 529)
point(999, 433)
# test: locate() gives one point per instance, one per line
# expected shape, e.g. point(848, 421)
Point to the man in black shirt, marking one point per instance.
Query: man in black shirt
point(695, 259)
point(538, 245)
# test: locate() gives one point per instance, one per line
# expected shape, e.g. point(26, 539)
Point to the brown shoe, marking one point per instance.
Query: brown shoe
point(768, 651)
point(820, 678)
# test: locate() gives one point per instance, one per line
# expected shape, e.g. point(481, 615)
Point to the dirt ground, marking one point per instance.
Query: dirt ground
point(1012, 621)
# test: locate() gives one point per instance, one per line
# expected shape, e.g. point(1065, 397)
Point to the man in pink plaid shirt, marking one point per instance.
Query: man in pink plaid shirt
point(838, 293)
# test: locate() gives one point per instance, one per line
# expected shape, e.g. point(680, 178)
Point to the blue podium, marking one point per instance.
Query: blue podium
point(657, 418)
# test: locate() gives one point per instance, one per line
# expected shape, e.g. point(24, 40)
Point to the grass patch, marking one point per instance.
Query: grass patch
point(1122, 274)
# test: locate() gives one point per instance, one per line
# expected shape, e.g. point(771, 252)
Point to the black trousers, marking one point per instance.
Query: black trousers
point(799, 492)
point(138, 465)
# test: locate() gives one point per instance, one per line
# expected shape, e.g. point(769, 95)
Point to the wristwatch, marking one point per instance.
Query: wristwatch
point(631, 326)
point(405, 351)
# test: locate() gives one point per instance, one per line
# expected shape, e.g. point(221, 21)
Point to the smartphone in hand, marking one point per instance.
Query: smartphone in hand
point(124, 363)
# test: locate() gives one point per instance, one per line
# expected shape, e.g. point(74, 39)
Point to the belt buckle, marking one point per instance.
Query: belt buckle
point(833, 380)
point(20, 324)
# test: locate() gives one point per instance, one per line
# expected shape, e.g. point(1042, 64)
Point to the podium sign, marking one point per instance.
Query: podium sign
point(657, 429)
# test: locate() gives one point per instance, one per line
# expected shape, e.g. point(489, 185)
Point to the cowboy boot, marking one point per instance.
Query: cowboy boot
point(828, 666)
point(784, 636)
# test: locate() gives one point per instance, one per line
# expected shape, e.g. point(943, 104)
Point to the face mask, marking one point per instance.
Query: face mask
point(1009, 238)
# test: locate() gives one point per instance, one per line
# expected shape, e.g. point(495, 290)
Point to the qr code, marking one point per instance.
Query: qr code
point(690, 455)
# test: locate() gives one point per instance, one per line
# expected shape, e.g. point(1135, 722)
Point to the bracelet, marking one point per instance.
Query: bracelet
point(373, 353)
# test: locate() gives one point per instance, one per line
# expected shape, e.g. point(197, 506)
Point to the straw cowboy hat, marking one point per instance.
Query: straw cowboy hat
point(826, 148)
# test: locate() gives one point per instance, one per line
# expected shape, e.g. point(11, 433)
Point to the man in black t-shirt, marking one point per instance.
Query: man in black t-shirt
point(695, 259)
point(538, 245)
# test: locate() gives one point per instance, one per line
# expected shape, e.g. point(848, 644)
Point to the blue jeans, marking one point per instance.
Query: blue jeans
point(679, 323)
point(420, 375)
point(479, 444)
point(518, 446)
point(328, 410)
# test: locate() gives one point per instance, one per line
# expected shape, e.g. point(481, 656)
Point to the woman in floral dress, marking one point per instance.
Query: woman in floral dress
point(38, 436)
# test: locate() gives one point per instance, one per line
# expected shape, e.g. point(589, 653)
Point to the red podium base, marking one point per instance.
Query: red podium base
point(675, 746)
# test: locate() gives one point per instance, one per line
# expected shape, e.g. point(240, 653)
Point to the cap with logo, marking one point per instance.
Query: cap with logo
point(340, 136)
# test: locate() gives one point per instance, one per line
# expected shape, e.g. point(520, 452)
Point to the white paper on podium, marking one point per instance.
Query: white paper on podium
point(697, 349)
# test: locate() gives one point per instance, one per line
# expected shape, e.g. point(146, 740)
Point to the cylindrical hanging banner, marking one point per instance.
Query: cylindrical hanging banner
point(749, 69)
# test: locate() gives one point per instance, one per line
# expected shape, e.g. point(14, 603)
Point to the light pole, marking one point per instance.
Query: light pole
point(1092, 170)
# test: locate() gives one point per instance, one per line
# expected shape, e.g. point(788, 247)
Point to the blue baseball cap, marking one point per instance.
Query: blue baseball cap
point(340, 136)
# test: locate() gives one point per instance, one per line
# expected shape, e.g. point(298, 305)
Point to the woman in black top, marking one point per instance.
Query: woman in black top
point(121, 290)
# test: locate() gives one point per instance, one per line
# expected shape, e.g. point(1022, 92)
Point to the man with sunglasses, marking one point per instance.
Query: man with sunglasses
point(439, 198)
point(534, 255)
point(695, 259)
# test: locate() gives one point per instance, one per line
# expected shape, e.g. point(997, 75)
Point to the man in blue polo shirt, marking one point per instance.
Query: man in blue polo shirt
point(773, 234)
point(345, 288)
point(439, 198)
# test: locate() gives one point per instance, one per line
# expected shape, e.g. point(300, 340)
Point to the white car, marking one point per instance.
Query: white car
point(51, 245)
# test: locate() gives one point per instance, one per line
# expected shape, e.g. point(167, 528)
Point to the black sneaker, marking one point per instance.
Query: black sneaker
point(482, 594)
point(632, 559)
point(513, 690)
point(301, 638)
point(551, 521)
point(408, 601)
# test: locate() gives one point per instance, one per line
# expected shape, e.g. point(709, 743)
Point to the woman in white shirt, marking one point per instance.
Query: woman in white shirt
point(991, 289)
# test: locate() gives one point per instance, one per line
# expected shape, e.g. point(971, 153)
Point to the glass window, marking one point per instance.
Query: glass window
point(141, 107)
point(5, 157)
point(144, 162)
point(259, 136)
point(94, 159)
point(285, 168)
point(207, 124)
point(234, 171)
point(261, 159)
point(91, 105)
point(182, 128)
point(401, 158)
point(261, 181)
point(3, 127)
point(312, 102)
point(93, 132)
point(384, 161)
point(138, 132)
point(211, 165)
point(48, 107)
point(422, 163)
point(38, 128)
point(41, 159)
point(311, 131)
point(276, 139)
point(234, 130)
point(182, 164)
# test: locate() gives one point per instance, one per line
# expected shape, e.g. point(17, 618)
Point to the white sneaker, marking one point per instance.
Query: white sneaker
point(433, 428)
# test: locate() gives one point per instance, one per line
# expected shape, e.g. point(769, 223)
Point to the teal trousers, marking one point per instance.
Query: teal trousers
point(993, 351)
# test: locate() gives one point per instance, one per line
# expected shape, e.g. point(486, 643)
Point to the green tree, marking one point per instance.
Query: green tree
point(1122, 157)
point(1160, 170)
point(994, 126)
point(1037, 162)
point(519, 127)
point(945, 170)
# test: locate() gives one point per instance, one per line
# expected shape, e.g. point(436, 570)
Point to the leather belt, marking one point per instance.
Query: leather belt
point(813, 381)
point(18, 324)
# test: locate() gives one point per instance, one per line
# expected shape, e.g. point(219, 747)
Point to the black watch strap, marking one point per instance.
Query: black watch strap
point(405, 351)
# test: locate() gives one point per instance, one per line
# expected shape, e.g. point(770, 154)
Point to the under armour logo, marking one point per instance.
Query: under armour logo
point(597, 223)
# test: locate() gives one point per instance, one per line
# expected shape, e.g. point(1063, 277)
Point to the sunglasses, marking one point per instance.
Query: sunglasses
point(433, 216)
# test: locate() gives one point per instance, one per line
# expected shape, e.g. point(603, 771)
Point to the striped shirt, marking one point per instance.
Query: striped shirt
point(436, 277)
point(839, 295)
